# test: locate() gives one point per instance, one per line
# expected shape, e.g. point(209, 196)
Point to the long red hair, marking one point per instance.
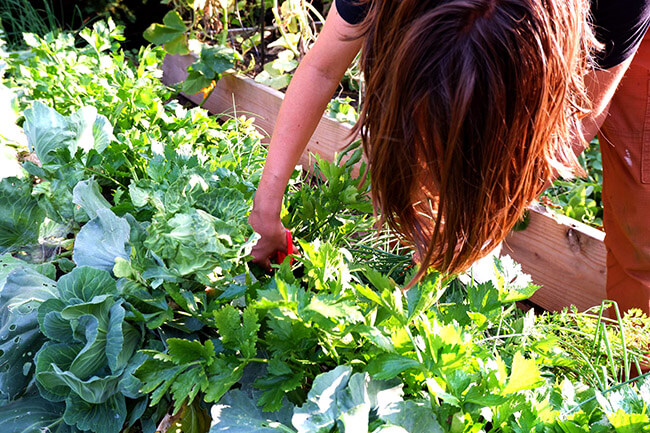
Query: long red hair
point(471, 106)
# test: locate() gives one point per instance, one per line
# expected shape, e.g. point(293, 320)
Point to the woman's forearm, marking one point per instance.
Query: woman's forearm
point(310, 90)
point(302, 109)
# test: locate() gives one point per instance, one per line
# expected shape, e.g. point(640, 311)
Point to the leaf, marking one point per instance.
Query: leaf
point(390, 298)
point(176, 240)
point(47, 131)
point(513, 284)
point(389, 365)
point(90, 327)
point(331, 307)
point(483, 397)
point(84, 283)
point(53, 326)
point(215, 60)
point(122, 340)
point(187, 385)
point(195, 419)
point(51, 354)
point(238, 413)
point(8, 263)
point(102, 240)
point(276, 82)
point(224, 203)
point(222, 375)
point(157, 376)
point(629, 423)
point(422, 297)
point(524, 375)
point(139, 196)
point(93, 131)
point(20, 337)
point(170, 34)
point(412, 415)
point(285, 62)
point(195, 82)
point(437, 391)
point(87, 195)
point(20, 216)
point(238, 334)
point(319, 413)
point(185, 351)
point(376, 337)
point(130, 385)
point(363, 396)
point(96, 390)
point(108, 417)
point(278, 380)
point(31, 414)
point(344, 400)
point(80, 372)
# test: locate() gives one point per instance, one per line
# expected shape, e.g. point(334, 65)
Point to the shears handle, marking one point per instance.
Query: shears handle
point(281, 255)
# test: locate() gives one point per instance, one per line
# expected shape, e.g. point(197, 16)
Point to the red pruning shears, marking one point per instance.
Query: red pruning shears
point(281, 255)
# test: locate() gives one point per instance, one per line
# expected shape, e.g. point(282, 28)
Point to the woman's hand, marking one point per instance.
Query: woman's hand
point(273, 237)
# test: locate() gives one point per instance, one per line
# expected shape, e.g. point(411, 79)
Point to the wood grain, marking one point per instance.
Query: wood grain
point(567, 258)
point(563, 255)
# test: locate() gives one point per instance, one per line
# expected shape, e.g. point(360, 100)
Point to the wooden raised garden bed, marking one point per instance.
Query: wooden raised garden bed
point(563, 255)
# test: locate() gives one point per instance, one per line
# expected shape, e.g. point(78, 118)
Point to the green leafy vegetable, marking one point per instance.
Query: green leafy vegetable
point(90, 356)
point(23, 291)
point(33, 413)
point(171, 34)
point(49, 133)
point(20, 216)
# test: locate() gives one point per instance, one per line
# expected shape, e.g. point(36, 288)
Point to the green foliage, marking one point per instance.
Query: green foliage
point(48, 133)
point(333, 204)
point(212, 64)
point(581, 199)
point(277, 74)
point(171, 34)
point(33, 413)
point(236, 336)
point(342, 110)
point(159, 315)
point(24, 289)
point(20, 216)
point(102, 241)
point(18, 17)
point(341, 398)
point(187, 369)
point(89, 358)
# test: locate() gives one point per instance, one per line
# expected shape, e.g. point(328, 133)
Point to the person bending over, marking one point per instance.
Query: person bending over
point(472, 107)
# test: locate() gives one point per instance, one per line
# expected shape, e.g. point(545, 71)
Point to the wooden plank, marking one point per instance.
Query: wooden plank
point(563, 255)
point(242, 95)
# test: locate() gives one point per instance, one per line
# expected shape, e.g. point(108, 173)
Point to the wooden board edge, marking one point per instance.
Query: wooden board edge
point(566, 257)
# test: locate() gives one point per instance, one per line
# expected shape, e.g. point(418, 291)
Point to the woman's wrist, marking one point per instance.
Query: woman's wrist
point(267, 207)
point(270, 193)
point(264, 221)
